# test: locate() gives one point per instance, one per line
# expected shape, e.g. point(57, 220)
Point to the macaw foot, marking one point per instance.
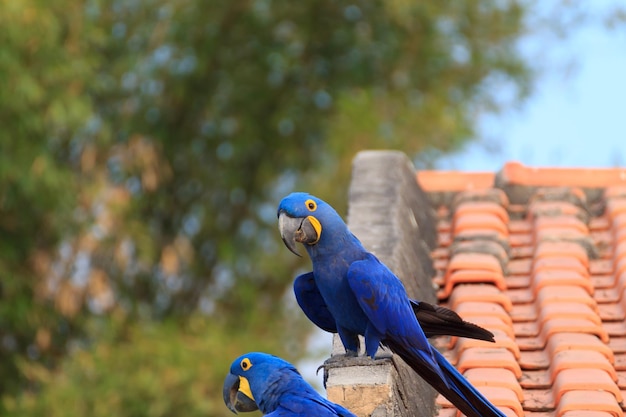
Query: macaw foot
point(339, 360)
point(351, 358)
point(383, 354)
point(351, 354)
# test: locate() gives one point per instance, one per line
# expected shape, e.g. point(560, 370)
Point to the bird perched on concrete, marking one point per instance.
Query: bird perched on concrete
point(352, 293)
point(274, 386)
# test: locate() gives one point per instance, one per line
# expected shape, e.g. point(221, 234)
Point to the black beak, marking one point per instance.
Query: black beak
point(234, 399)
point(298, 229)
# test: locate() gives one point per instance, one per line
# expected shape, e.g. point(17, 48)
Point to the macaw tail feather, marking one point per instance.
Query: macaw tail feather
point(456, 389)
point(439, 321)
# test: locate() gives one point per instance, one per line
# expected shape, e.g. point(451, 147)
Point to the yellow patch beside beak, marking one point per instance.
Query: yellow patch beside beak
point(244, 387)
point(317, 226)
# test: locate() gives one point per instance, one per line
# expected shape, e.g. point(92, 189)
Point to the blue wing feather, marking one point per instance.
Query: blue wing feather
point(434, 320)
point(384, 301)
point(298, 406)
point(312, 304)
point(383, 298)
point(279, 389)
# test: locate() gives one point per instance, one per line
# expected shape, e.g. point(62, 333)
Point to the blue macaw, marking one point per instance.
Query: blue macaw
point(352, 293)
point(259, 381)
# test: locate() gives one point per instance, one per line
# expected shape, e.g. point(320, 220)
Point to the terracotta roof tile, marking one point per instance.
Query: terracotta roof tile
point(481, 207)
point(564, 293)
point(615, 191)
point(480, 221)
point(488, 357)
point(490, 247)
point(520, 266)
point(572, 379)
point(474, 261)
point(586, 413)
point(503, 398)
point(480, 292)
point(470, 309)
point(492, 195)
point(588, 400)
point(615, 206)
point(568, 311)
point(495, 324)
point(454, 180)
point(495, 377)
point(461, 276)
point(554, 208)
point(576, 341)
point(560, 222)
point(503, 340)
point(537, 256)
point(517, 173)
point(581, 359)
point(548, 249)
point(553, 276)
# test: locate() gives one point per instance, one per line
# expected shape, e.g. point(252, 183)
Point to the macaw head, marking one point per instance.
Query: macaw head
point(249, 377)
point(302, 218)
point(237, 393)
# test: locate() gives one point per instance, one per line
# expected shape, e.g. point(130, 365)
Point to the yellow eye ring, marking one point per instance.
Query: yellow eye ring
point(245, 364)
point(310, 205)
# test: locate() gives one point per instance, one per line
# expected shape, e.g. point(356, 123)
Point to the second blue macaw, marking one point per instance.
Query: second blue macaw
point(352, 293)
point(260, 381)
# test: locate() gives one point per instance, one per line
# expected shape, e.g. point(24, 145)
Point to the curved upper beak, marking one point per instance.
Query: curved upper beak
point(234, 399)
point(298, 229)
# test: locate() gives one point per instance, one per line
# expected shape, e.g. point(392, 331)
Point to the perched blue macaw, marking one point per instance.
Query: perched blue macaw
point(274, 386)
point(352, 293)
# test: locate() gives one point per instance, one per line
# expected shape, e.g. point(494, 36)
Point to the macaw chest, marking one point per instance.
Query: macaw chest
point(340, 299)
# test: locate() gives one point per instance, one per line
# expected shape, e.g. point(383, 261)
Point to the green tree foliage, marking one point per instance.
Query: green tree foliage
point(160, 369)
point(42, 103)
point(144, 148)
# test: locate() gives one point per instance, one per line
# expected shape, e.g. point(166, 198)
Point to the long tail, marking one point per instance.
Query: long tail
point(439, 321)
point(456, 389)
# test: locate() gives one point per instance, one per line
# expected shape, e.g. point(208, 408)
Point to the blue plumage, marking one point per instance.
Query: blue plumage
point(274, 386)
point(364, 297)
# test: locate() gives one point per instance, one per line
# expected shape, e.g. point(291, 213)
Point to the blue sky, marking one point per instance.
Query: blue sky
point(576, 116)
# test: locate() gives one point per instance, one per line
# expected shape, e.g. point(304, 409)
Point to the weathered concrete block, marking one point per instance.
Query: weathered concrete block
point(367, 389)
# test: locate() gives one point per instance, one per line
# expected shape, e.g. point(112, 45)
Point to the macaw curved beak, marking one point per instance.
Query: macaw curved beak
point(234, 398)
point(298, 229)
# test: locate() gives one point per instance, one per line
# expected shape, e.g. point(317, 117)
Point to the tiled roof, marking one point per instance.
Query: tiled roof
point(538, 256)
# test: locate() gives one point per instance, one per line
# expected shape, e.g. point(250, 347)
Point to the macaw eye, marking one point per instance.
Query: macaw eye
point(310, 205)
point(245, 364)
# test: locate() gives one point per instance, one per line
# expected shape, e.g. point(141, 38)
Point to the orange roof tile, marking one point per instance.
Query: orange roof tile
point(578, 400)
point(454, 180)
point(538, 256)
point(572, 379)
point(517, 173)
point(497, 377)
point(481, 207)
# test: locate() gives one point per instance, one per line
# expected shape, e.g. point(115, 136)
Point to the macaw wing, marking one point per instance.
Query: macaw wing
point(295, 406)
point(440, 321)
point(285, 412)
point(434, 320)
point(312, 304)
point(384, 301)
